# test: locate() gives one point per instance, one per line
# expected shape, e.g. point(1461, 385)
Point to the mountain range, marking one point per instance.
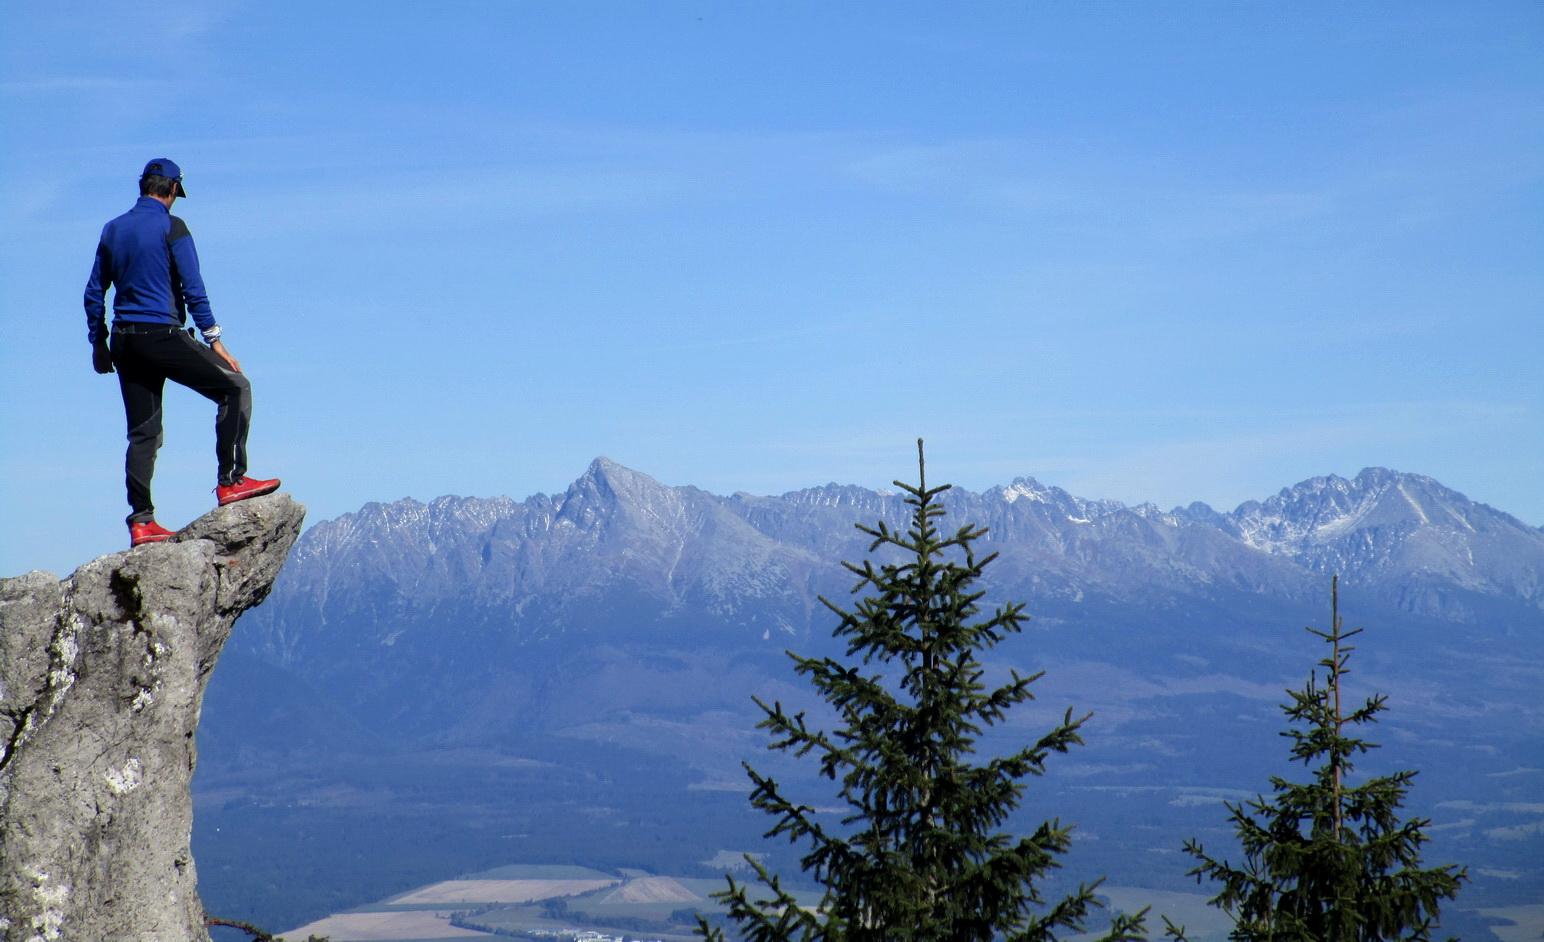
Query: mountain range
point(412, 654)
point(619, 550)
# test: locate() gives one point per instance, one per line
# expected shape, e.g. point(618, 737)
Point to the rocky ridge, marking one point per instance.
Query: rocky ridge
point(102, 678)
point(618, 538)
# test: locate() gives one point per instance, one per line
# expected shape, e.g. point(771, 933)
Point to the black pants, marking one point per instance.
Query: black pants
point(145, 358)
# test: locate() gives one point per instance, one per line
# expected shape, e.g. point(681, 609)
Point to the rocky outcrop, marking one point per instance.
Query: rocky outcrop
point(102, 677)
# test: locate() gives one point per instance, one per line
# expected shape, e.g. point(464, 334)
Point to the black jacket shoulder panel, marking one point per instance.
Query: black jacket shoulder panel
point(178, 230)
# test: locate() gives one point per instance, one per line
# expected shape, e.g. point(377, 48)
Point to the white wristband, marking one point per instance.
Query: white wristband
point(212, 334)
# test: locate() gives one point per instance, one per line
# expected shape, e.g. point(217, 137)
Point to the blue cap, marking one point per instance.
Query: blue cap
point(165, 167)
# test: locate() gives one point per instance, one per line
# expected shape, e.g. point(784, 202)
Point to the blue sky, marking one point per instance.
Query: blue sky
point(1149, 252)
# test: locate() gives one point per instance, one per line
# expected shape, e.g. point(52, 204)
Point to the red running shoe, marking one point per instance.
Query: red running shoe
point(147, 532)
point(244, 488)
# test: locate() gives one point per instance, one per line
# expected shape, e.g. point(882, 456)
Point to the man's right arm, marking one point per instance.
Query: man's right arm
point(96, 309)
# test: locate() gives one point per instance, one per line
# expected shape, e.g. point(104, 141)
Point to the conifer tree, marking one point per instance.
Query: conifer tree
point(919, 857)
point(1326, 861)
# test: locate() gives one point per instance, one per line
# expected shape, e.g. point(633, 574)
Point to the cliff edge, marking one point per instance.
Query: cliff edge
point(102, 677)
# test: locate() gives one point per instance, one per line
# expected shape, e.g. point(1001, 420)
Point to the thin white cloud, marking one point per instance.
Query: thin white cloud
point(1513, 807)
point(1386, 173)
point(195, 21)
point(1520, 832)
point(367, 203)
point(1061, 191)
point(82, 83)
point(1520, 770)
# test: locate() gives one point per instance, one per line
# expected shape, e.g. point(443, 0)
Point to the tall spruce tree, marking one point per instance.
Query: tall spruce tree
point(919, 857)
point(1324, 860)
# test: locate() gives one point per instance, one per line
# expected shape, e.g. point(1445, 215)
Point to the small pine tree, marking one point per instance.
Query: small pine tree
point(1325, 861)
point(920, 858)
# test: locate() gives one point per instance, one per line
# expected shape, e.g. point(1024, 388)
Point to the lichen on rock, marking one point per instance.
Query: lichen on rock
point(102, 676)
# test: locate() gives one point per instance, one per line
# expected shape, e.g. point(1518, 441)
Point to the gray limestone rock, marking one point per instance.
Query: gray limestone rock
point(102, 677)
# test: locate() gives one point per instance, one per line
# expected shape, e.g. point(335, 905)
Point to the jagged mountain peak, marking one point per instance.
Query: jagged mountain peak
point(609, 492)
point(1395, 528)
point(1201, 512)
point(1372, 480)
point(406, 519)
point(850, 502)
point(613, 479)
point(603, 467)
point(1025, 488)
point(1027, 492)
point(1330, 507)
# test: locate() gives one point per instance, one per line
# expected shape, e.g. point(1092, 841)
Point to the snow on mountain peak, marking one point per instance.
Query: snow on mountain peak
point(1330, 507)
point(1386, 525)
point(1026, 489)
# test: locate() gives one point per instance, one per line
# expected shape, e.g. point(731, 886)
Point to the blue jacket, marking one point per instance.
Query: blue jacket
point(147, 254)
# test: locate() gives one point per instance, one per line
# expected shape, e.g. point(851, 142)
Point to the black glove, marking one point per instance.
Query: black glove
point(101, 357)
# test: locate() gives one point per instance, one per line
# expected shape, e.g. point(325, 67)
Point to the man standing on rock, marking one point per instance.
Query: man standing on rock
point(147, 256)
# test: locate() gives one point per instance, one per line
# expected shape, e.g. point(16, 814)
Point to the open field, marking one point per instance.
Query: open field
point(1527, 922)
point(651, 890)
point(532, 919)
point(498, 891)
point(1204, 923)
point(545, 872)
point(634, 903)
point(384, 927)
